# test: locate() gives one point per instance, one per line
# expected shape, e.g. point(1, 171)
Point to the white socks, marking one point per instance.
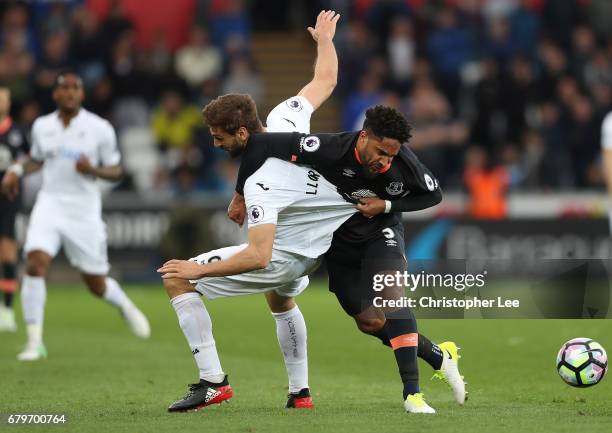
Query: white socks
point(115, 295)
point(33, 297)
point(197, 327)
point(292, 336)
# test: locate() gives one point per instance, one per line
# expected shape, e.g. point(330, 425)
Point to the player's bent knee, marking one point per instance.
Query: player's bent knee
point(37, 264)
point(278, 303)
point(176, 286)
point(369, 326)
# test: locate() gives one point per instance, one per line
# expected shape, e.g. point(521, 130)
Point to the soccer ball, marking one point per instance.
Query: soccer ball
point(582, 362)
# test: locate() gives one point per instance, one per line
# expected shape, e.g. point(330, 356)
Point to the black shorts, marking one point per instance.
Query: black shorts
point(8, 214)
point(351, 266)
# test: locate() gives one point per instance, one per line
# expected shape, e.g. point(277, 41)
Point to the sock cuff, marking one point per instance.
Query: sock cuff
point(33, 281)
point(184, 297)
point(295, 311)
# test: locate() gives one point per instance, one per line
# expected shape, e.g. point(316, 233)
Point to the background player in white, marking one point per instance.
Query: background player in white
point(606, 143)
point(73, 147)
point(231, 118)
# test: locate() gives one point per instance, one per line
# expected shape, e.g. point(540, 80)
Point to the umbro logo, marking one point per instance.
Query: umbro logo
point(348, 172)
point(261, 185)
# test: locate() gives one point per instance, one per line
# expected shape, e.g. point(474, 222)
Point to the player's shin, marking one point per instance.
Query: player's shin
point(8, 283)
point(430, 352)
point(196, 324)
point(292, 338)
point(402, 332)
point(33, 297)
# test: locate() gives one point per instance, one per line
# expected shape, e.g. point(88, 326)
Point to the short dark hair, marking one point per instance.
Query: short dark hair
point(60, 76)
point(387, 122)
point(230, 112)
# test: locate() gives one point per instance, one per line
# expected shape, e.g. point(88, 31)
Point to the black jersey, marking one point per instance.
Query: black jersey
point(407, 182)
point(13, 144)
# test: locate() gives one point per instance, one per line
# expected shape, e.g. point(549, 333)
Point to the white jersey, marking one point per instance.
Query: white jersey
point(303, 205)
point(59, 148)
point(606, 132)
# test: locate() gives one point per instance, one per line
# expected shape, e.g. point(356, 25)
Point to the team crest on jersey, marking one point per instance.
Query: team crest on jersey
point(295, 104)
point(256, 213)
point(311, 143)
point(431, 185)
point(395, 188)
point(348, 172)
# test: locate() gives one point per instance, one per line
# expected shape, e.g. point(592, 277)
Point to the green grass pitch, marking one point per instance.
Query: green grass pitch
point(105, 380)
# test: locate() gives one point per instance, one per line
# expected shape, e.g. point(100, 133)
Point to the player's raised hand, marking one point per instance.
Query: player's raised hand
point(236, 210)
point(10, 185)
point(370, 206)
point(183, 269)
point(325, 26)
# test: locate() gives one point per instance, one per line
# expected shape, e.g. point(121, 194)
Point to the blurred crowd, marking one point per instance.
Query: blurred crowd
point(510, 92)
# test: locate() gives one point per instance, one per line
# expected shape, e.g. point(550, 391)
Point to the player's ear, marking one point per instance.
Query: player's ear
point(243, 133)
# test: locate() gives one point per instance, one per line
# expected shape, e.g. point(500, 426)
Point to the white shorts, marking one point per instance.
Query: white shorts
point(82, 234)
point(287, 275)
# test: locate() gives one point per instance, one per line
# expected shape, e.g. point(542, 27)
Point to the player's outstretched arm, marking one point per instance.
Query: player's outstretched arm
point(256, 255)
point(10, 181)
point(326, 66)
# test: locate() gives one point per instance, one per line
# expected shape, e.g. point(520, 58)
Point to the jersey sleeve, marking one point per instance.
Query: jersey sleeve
point(316, 150)
point(291, 115)
point(36, 150)
point(424, 188)
point(260, 206)
point(109, 151)
point(606, 132)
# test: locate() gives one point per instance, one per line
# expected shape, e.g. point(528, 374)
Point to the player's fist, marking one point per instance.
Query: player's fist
point(83, 165)
point(236, 210)
point(325, 26)
point(10, 185)
point(370, 206)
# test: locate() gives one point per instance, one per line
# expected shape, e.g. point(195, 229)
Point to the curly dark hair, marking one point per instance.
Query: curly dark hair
point(230, 112)
point(387, 122)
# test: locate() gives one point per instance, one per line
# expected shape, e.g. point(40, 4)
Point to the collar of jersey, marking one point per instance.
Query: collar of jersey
point(384, 169)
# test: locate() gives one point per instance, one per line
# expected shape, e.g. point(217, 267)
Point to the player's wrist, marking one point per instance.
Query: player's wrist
point(17, 169)
point(388, 206)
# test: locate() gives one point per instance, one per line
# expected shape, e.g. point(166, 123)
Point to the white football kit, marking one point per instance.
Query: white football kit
point(303, 205)
point(68, 208)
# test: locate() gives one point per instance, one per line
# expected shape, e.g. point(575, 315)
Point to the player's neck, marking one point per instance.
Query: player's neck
point(67, 116)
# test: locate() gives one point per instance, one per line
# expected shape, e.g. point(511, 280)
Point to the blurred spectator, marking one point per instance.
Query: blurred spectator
point(55, 58)
point(401, 51)
point(524, 28)
point(174, 122)
point(368, 92)
point(198, 61)
point(86, 47)
point(449, 49)
point(228, 19)
point(242, 78)
point(487, 184)
point(16, 65)
point(116, 23)
point(520, 94)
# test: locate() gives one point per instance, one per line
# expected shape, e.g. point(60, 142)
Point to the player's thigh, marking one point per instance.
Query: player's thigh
point(43, 232)
point(345, 283)
point(85, 246)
